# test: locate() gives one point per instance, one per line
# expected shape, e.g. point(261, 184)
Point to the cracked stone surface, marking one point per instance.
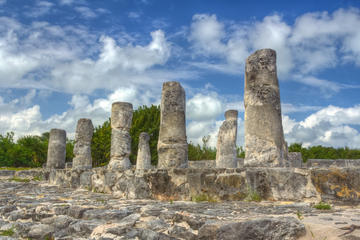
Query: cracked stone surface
point(37, 210)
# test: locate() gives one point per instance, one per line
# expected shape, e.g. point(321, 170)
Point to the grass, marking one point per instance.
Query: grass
point(203, 198)
point(17, 179)
point(322, 206)
point(37, 178)
point(8, 233)
point(15, 168)
point(253, 196)
point(299, 215)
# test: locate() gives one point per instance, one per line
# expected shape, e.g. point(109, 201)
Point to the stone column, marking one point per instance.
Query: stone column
point(264, 137)
point(121, 118)
point(82, 148)
point(172, 145)
point(226, 143)
point(143, 160)
point(56, 149)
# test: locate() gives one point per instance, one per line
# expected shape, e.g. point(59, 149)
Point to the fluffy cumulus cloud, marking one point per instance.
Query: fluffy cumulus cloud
point(315, 42)
point(330, 126)
point(71, 59)
point(24, 118)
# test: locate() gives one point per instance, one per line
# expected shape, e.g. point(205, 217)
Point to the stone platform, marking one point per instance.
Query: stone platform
point(38, 210)
point(272, 184)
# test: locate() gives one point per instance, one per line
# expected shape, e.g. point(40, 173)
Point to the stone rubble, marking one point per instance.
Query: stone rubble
point(37, 210)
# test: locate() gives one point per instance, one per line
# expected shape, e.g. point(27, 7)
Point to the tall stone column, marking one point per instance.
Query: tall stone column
point(56, 149)
point(226, 143)
point(264, 138)
point(121, 118)
point(143, 160)
point(172, 145)
point(82, 148)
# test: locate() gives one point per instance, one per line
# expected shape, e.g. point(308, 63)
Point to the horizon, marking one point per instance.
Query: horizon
point(64, 60)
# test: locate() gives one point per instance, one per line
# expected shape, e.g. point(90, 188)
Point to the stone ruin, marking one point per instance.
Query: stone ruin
point(268, 172)
point(226, 144)
point(82, 147)
point(172, 145)
point(264, 137)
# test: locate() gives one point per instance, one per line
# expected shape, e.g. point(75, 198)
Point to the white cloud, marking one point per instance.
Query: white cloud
point(330, 126)
point(70, 59)
point(86, 12)
point(23, 118)
point(315, 42)
point(203, 107)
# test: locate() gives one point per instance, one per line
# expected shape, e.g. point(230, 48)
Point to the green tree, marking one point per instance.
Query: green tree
point(204, 152)
point(101, 143)
point(145, 119)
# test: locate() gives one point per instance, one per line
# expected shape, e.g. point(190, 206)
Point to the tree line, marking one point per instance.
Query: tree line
point(31, 151)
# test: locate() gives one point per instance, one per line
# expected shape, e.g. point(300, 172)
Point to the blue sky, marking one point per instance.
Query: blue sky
point(62, 60)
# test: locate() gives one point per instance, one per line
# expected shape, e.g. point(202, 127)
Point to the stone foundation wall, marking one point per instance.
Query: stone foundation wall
point(277, 184)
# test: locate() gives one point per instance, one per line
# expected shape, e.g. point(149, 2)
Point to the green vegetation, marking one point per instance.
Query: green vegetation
point(203, 198)
point(27, 151)
point(16, 179)
point(252, 196)
point(322, 206)
point(7, 233)
point(31, 151)
point(299, 215)
point(320, 152)
point(204, 152)
point(37, 178)
point(145, 119)
point(15, 168)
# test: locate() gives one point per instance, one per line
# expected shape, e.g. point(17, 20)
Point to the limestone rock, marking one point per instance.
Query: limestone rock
point(264, 138)
point(282, 228)
point(143, 160)
point(172, 145)
point(226, 144)
point(56, 149)
point(121, 117)
point(82, 148)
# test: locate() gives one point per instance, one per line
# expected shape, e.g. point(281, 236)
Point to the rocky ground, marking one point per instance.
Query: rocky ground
point(37, 210)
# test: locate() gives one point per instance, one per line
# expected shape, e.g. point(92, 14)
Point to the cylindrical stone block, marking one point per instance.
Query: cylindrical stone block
point(143, 160)
point(121, 115)
point(264, 138)
point(172, 145)
point(121, 118)
point(56, 149)
point(226, 143)
point(82, 147)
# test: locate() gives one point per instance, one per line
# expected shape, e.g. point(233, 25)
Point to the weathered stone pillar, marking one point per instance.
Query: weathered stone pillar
point(143, 160)
point(172, 145)
point(226, 143)
point(56, 149)
point(82, 148)
point(121, 118)
point(264, 137)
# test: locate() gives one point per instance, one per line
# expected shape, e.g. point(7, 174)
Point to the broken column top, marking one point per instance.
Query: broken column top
point(145, 136)
point(121, 115)
point(231, 115)
point(84, 130)
point(58, 132)
point(263, 60)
